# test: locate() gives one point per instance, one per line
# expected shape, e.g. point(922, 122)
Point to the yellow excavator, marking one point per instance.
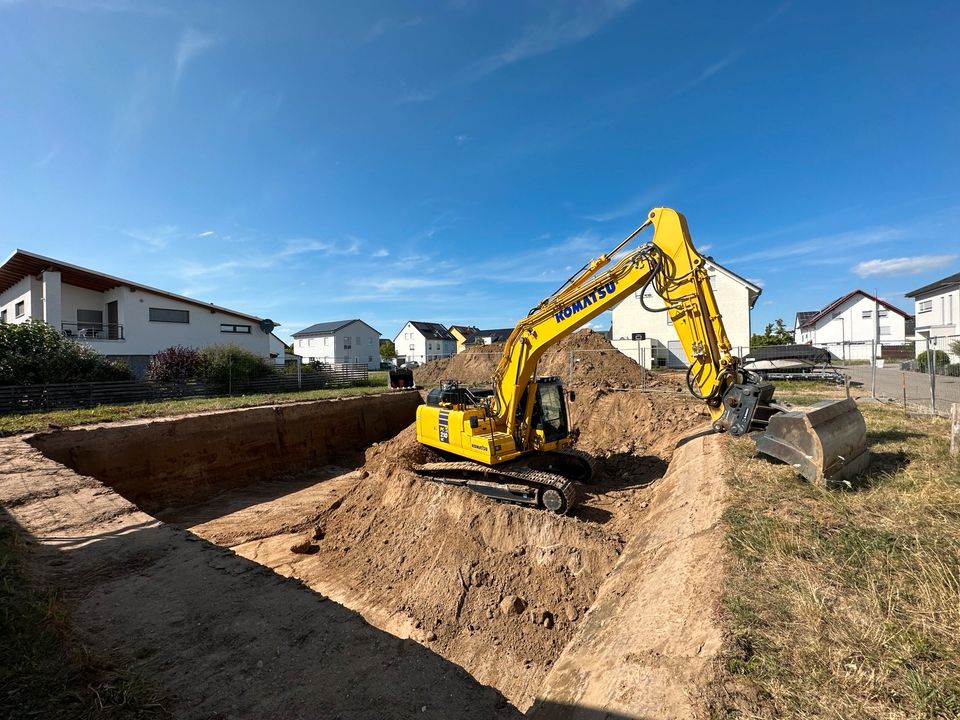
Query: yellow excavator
point(512, 441)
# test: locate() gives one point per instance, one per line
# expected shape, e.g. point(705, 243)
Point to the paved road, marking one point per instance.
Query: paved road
point(890, 384)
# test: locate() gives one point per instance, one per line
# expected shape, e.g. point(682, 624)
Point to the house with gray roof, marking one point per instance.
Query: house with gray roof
point(937, 305)
point(339, 341)
point(424, 341)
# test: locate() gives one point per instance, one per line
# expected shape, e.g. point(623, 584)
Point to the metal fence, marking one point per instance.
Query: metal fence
point(69, 396)
point(922, 376)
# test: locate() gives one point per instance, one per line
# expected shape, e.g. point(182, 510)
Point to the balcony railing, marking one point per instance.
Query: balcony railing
point(92, 331)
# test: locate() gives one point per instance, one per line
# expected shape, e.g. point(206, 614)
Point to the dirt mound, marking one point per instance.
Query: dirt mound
point(496, 588)
point(596, 363)
point(460, 573)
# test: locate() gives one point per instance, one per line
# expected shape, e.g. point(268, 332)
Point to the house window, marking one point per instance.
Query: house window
point(347, 344)
point(90, 320)
point(18, 309)
point(369, 358)
point(170, 316)
point(885, 330)
point(229, 328)
point(925, 306)
point(867, 314)
point(883, 312)
point(3, 316)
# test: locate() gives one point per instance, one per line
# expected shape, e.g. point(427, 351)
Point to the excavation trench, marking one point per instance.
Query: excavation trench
point(324, 493)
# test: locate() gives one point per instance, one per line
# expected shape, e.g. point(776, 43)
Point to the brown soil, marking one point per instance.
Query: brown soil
point(596, 363)
point(497, 589)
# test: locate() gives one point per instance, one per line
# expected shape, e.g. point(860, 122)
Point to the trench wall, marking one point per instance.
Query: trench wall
point(160, 463)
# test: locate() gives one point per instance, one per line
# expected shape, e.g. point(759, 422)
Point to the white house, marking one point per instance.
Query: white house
point(119, 318)
point(937, 308)
point(339, 341)
point(424, 341)
point(847, 326)
point(650, 338)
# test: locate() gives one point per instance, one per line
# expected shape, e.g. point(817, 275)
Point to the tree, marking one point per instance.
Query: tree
point(37, 353)
point(775, 333)
point(225, 364)
point(955, 347)
point(387, 349)
point(175, 363)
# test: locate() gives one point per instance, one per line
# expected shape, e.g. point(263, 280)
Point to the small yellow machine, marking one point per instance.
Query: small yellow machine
point(510, 442)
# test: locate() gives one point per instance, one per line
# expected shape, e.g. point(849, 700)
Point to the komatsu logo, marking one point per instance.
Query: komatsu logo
point(586, 301)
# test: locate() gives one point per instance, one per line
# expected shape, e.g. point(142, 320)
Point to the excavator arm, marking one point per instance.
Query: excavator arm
point(671, 265)
point(827, 442)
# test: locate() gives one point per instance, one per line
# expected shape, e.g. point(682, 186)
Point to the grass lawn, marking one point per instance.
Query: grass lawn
point(845, 603)
point(12, 424)
point(44, 673)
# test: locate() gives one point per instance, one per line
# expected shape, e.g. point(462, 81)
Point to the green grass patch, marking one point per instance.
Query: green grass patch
point(12, 424)
point(44, 673)
point(845, 603)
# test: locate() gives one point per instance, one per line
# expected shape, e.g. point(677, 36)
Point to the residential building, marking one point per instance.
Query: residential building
point(278, 349)
point(121, 319)
point(485, 337)
point(650, 338)
point(424, 341)
point(937, 308)
point(849, 324)
point(339, 341)
point(462, 333)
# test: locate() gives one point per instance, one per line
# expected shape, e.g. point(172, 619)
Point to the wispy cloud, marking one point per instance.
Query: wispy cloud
point(49, 156)
point(206, 233)
point(711, 70)
point(191, 44)
point(155, 239)
point(823, 245)
point(902, 265)
point(351, 246)
point(639, 203)
point(381, 253)
point(385, 26)
point(566, 24)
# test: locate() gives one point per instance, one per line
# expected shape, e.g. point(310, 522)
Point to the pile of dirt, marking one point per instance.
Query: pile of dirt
point(496, 588)
point(596, 363)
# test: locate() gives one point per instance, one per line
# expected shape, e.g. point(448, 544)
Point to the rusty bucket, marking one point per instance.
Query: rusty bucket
point(825, 443)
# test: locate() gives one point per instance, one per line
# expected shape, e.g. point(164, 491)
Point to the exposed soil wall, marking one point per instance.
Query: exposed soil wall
point(176, 461)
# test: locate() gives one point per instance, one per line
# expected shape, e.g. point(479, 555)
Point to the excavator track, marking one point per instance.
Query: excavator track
point(513, 484)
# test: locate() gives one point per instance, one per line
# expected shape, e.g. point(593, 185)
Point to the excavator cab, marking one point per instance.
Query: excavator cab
point(549, 418)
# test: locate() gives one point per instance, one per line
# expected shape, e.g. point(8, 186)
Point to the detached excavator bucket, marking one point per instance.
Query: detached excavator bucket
point(825, 443)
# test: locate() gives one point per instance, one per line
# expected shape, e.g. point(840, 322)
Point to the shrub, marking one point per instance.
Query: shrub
point(940, 359)
point(953, 370)
point(224, 364)
point(176, 363)
point(36, 353)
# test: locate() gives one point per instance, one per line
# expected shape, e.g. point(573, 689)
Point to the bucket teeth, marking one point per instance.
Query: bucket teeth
point(825, 443)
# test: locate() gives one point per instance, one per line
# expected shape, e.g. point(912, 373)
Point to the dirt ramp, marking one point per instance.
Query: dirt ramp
point(645, 648)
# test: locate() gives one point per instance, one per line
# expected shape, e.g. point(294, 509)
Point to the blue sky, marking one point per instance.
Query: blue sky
point(454, 161)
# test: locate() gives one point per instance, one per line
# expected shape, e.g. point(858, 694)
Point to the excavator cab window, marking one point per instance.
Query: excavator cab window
point(550, 414)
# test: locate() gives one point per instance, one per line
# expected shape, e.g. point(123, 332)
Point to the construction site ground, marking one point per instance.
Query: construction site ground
point(342, 585)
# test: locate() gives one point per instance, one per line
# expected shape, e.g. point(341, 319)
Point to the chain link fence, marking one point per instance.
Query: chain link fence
point(922, 376)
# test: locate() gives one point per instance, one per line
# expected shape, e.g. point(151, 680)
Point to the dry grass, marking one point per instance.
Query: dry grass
point(846, 603)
